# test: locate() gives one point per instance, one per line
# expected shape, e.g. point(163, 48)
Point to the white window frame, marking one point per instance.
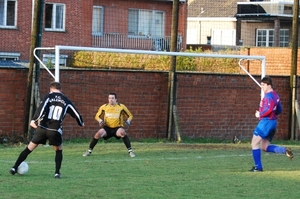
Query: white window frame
point(156, 27)
point(266, 40)
point(54, 18)
point(223, 37)
point(4, 15)
point(98, 20)
point(284, 38)
point(9, 56)
point(51, 58)
point(263, 40)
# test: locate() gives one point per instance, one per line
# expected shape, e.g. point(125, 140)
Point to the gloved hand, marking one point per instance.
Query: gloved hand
point(101, 123)
point(127, 123)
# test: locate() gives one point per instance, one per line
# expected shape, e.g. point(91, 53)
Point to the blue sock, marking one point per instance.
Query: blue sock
point(276, 149)
point(256, 154)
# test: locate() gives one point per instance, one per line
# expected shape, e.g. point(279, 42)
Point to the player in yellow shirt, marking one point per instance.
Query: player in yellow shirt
point(111, 118)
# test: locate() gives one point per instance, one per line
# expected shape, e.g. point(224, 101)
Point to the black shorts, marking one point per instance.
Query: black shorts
point(111, 132)
point(42, 135)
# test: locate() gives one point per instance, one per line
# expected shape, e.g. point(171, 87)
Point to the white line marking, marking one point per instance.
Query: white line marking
point(91, 159)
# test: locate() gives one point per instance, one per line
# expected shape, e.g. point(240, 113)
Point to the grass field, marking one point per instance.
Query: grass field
point(160, 170)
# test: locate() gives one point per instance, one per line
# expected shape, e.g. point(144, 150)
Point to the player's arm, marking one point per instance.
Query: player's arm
point(75, 114)
point(278, 108)
point(128, 114)
point(267, 107)
point(33, 124)
point(39, 112)
point(99, 116)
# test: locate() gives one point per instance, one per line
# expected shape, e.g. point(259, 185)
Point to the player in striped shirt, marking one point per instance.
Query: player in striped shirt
point(270, 107)
point(47, 122)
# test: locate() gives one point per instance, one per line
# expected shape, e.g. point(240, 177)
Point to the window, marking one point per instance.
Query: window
point(55, 17)
point(284, 38)
point(9, 56)
point(50, 58)
point(97, 27)
point(8, 11)
point(288, 9)
point(223, 37)
point(146, 23)
point(265, 37)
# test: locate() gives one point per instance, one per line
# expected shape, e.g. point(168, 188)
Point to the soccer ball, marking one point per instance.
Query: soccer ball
point(23, 168)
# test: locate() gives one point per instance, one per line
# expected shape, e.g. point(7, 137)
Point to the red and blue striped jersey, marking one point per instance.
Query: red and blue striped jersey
point(270, 106)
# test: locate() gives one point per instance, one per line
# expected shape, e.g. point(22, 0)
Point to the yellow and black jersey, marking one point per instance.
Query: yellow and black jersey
point(113, 115)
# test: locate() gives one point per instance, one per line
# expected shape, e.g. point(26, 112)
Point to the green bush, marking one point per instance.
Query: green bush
point(106, 60)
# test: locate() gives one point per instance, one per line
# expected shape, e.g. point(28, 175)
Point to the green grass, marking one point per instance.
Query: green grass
point(160, 170)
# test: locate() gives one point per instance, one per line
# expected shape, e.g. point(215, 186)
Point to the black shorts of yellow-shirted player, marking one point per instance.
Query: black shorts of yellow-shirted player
point(111, 117)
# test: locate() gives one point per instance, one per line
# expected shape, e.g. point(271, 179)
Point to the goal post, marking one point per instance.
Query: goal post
point(58, 48)
point(42, 63)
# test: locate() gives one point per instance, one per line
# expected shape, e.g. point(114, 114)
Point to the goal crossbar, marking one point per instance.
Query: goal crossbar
point(58, 48)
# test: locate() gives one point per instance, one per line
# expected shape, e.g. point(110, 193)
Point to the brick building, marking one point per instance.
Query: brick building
point(129, 24)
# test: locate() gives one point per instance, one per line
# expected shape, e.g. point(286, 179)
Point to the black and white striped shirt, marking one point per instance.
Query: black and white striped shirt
point(52, 111)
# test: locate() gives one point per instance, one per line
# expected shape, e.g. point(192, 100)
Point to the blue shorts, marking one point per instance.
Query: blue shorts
point(266, 129)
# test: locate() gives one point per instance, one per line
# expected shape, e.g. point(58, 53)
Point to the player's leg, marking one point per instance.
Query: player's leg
point(58, 160)
point(121, 133)
point(256, 153)
point(266, 146)
point(38, 138)
point(259, 134)
point(99, 134)
point(55, 139)
point(22, 157)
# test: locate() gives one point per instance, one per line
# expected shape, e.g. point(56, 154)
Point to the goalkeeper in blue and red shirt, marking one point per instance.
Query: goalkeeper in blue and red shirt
point(270, 107)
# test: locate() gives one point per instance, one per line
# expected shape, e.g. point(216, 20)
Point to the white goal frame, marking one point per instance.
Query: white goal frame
point(58, 48)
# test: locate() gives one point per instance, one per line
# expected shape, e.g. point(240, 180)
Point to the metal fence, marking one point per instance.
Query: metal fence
point(118, 40)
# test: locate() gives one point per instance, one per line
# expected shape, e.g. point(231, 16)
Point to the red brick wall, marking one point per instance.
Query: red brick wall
point(116, 13)
point(78, 29)
point(18, 40)
point(278, 60)
point(209, 105)
point(12, 101)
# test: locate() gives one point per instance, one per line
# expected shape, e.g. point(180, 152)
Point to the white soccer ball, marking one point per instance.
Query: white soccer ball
point(23, 168)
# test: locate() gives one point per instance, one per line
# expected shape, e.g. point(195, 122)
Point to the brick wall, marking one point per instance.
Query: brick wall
point(209, 105)
point(18, 40)
point(278, 60)
point(12, 101)
point(78, 26)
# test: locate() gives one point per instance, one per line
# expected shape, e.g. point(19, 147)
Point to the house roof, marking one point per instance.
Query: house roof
point(213, 8)
point(13, 64)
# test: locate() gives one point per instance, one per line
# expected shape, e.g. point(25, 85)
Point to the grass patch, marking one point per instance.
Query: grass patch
point(160, 170)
